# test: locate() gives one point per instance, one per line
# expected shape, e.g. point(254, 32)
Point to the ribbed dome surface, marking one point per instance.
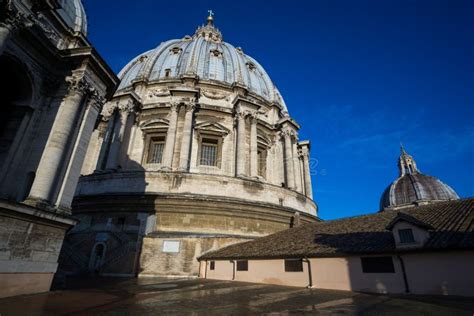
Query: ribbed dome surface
point(73, 13)
point(411, 188)
point(204, 55)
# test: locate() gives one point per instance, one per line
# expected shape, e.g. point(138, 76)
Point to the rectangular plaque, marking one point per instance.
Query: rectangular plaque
point(171, 246)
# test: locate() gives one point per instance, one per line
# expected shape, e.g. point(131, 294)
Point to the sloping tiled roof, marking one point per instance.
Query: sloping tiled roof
point(452, 222)
point(410, 219)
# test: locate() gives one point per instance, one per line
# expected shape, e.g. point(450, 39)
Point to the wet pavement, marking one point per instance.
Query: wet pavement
point(151, 296)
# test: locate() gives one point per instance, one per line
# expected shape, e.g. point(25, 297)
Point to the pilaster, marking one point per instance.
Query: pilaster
point(186, 138)
point(253, 145)
point(170, 137)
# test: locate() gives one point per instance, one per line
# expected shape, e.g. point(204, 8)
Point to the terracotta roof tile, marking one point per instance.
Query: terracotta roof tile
point(452, 222)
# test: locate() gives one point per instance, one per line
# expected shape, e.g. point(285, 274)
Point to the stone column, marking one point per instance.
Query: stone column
point(47, 178)
point(289, 166)
point(170, 138)
point(253, 146)
point(108, 116)
point(186, 139)
point(296, 168)
point(78, 155)
point(306, 172)
point(240, 144)
point(117, 137)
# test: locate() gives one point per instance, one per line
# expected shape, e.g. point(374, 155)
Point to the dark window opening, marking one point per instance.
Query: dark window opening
point(209, 150)
point(406, 236)
point(212, 265)
point(377, 265)
point(155, 151)
point(293, 265)
point(167, 72)
point(242, 265)
point(121, 222)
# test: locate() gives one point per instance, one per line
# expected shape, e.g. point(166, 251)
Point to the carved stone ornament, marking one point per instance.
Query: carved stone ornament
point(253, 115)
point(129, 106)
point(96, 100)
point(108, 110)
point(174, 105)
point(189, 106)
point(48, 31)
point(241, 114)
point(288, 132)
point(78, 84)
point(15, 20)
point(158, 93)
point(303, 152)
point(212, 94)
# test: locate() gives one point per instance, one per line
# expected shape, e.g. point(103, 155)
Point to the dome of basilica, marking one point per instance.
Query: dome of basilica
point(206, 55)
point(197, 145)
point(414, 187)
point(73, 13)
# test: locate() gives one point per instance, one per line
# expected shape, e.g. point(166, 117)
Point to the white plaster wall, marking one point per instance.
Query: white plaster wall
point(420, 235)
point(222, 271)
point(346, 274)
point(446, 273)
point(272, 272)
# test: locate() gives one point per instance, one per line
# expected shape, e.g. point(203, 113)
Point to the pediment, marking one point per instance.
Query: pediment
point(212, 127)
point(154, 124)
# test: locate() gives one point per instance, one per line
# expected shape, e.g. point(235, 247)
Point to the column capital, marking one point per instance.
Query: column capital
point(189, 106)
point(253, 115)
point(303, 152)
point(241, 114)
point(174, 105)
point(78, 84)
point(96, 100)
point(108, 110)
point(287, 132)
point(129, 106)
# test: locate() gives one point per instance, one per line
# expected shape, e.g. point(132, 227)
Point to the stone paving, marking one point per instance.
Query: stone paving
point(152, 296)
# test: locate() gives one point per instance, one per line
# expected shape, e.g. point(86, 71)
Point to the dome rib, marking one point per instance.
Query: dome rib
point(196, 56)
point(228, 72)
point(74, 15)
point(412, 188)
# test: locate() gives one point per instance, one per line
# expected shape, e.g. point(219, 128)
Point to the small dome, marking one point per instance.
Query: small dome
point(206, 55)
point(414, 187)
point(74, 15)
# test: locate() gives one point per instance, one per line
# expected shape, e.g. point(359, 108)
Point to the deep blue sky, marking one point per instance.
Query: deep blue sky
point(359, 76)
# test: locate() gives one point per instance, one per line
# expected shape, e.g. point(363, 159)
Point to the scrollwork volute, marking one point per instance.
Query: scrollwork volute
point(96, 100)
point(78, 84)
point(174, 106)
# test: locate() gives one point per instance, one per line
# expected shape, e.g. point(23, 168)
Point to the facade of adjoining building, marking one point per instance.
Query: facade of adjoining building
point(53, 87)
point(424, 245)
point(195, 151)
